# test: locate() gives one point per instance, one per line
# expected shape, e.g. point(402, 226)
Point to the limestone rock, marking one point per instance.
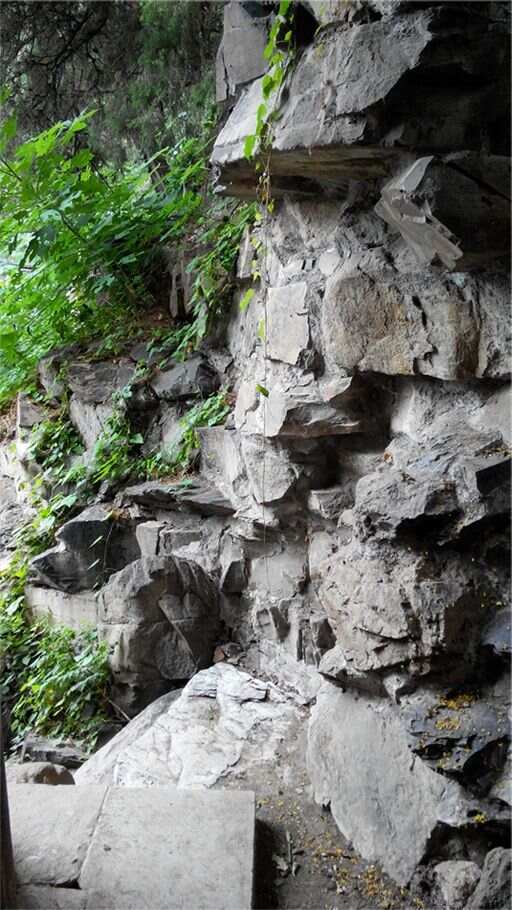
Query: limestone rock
point(90, 419)
point(28, 413)
point(59, 861)
point(453, 481)
point(240, 55)
point(456, 879)
point(271, 475)
point(495, 886)
point(193, 377)
point(77, 611)
point(428, 204)
point(95, 383)
point(351, 104)
point(329, 407)
point(287, 323)
point(450, 328)
point(391, 607)
point(160, 617)
point(223, 725)
point(462, 735)
point(194, 496)
point(387, 804)
point(90, 547)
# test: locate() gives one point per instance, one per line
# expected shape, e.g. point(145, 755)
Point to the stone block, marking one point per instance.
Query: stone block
point(160, 616)
point(52, 829)
point(287, 322)
point(448, 327)
point(240, 55)
point(170, 849)
point(189, 379)
point(223, 726)
point(77, 611)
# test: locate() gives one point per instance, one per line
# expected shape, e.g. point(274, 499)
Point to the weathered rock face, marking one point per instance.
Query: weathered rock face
point(160, 615)
point(223, 723)
point(348, 532)
point(388, 351)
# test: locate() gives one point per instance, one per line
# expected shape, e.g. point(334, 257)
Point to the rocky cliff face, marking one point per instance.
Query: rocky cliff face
point(349, 532)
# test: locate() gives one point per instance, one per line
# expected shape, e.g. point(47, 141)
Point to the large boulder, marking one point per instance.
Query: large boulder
point(194, 377)
point(224, 725)
point(450, 482)
point(382, 799)
point(160, 617)
point(393, 607)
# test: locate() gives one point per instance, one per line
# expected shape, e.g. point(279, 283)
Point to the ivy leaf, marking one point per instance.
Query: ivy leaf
point(246, 299)
point(261, 330)
point(262, 390)
point(250, 142)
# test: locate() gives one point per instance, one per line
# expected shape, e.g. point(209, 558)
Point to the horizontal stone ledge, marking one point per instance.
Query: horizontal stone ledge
point(304, 172)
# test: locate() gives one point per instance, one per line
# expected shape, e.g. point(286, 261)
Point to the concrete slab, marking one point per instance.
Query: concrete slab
point(174, 849)
point(155, 848)
point(52, 829)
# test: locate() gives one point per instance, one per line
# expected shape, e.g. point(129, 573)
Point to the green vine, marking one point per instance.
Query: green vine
point(279, 55)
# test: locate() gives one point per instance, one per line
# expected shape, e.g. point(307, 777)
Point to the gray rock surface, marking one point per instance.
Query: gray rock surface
point(201, 844)
point(193, 377)
point(90, 547)
point(352, 526)
point(385, 801)
point(77, 611)
point(457, 879)
point(160, 616)
point(494, 889)
point(222, 726)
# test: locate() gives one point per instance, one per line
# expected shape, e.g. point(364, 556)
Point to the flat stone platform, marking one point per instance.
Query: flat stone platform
point(118, 848)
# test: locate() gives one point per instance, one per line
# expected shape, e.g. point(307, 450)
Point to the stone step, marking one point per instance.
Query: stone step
point(118, 848)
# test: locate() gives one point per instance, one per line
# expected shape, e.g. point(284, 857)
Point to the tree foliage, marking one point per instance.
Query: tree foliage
point(146, 65)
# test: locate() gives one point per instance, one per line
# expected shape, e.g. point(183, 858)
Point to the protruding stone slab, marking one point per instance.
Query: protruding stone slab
point(52, 828)
point(73, 610)
point(351, 106)
point(169, 849)
point(428, 203)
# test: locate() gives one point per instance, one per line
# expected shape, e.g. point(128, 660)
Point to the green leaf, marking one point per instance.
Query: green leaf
point(246, 299)
point(262, 390)
point(261, 330)
point(250, 142)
